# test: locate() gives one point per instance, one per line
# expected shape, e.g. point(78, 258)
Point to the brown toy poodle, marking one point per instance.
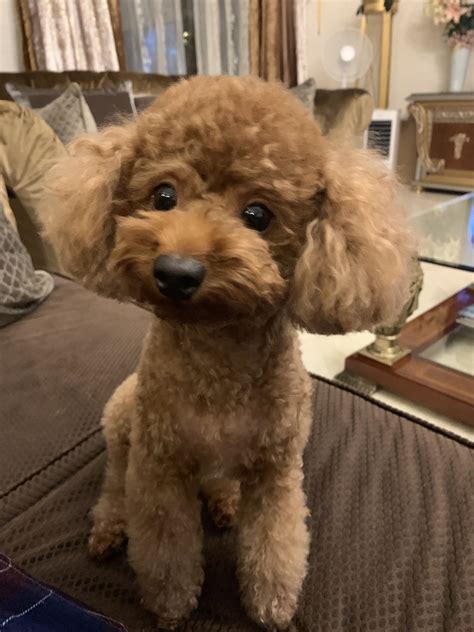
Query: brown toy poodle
point(224, 212)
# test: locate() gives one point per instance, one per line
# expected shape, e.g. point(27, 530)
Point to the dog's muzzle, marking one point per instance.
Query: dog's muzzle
point(178, 277)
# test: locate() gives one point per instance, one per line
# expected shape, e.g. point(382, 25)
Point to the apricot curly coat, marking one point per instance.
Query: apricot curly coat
point(220, 401)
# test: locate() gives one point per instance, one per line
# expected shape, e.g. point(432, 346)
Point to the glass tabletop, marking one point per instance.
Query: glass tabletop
point(446, 233)
point(454, 350)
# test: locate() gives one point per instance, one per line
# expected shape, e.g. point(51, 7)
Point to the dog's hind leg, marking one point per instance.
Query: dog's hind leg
point(109, 526)
point(223, 497)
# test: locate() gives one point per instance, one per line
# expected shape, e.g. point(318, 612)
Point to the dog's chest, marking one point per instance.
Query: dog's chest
point(218, 437)
point(217, 401)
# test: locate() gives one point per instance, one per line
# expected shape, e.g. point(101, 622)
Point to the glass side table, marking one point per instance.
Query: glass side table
point(430, 359)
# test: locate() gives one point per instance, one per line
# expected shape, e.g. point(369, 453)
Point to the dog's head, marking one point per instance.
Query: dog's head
point(222, 202)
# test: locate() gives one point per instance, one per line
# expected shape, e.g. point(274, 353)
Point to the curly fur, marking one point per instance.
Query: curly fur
point(220, 400)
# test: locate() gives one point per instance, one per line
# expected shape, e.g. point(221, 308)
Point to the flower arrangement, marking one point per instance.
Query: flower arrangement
point(457, 16)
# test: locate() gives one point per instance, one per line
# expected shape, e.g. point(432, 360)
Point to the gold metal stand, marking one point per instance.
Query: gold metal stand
point(385, 50)
point(386, 346)
point(385, 349)
point(378, 7)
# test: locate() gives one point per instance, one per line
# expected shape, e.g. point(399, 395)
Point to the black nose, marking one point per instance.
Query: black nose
point(178, 277)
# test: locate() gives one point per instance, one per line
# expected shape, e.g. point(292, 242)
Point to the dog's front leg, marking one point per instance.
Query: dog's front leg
point(165, 536)
point(274, 544)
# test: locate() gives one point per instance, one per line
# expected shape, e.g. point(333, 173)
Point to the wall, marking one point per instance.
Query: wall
point(420, 57)
point(11, 54)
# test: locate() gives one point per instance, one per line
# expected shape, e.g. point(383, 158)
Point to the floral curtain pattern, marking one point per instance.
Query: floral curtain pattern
point(70, 35)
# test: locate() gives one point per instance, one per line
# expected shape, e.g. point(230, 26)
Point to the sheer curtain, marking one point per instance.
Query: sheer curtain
point(222, 36)
point(178, 37)
point(153, 36)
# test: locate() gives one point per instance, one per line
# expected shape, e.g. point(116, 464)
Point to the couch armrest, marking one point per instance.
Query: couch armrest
point(343, 113)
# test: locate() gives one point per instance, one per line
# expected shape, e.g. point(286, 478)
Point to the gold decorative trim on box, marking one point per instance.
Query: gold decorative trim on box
point(424, 130)
point(453, 116)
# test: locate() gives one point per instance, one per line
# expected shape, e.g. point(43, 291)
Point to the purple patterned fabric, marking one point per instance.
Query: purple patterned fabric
point(28, 606)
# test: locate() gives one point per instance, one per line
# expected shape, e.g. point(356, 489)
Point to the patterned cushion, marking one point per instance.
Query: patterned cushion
point(69, 115)
point(105, 100)
point(21, 287)
point(4, 201)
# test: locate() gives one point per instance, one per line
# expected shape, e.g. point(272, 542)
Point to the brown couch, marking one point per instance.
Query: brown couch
point(348, 110)
point(391, 500)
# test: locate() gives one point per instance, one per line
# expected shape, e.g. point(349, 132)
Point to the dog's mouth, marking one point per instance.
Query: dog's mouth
point(183, 293)
point(197, 310)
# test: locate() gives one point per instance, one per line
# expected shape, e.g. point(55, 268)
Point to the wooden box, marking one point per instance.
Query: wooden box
point(444, 139)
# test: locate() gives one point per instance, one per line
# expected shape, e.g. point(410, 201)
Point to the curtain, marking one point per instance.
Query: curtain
point(68, 35)
point(168, 37)
point(240, 35)
point(153, 36)
point(188, 36)
point(273, 40)
point(116, 20)
point(221, 33)
point(207, 35)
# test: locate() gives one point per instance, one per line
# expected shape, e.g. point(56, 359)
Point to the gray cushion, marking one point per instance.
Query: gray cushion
point(69, 115)
point(22, 288)
point(305, 92)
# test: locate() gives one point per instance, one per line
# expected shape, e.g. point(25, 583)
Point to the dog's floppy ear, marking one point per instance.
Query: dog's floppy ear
point(79, 222)
point(352, 273)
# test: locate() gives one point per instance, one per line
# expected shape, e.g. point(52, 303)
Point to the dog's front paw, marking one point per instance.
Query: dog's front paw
point(272, 611)
point(105, 538)
point(172, 607)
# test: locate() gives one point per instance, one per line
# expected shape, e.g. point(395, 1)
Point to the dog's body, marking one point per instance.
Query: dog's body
point(222, 211)
point(220, 414)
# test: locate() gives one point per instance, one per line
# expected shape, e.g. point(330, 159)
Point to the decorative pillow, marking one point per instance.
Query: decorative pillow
point(306, 92)
point(109, 107)
point(22, 288)
point(105, 102)
point(142, 101)
point(6, 204)
point(69, 115)
point(343, 114)
point(20, 94)
point(28, 149)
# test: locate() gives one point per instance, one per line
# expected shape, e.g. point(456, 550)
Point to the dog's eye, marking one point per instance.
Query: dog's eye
point(164, 197)
point(257, 216)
